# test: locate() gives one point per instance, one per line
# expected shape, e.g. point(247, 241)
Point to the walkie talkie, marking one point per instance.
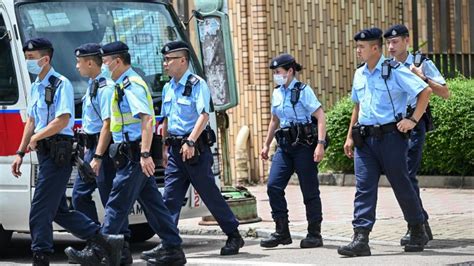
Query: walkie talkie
point(418, 59)
point(188, 88)
point(49, 94)
point(94, 89)
point(294, 96)
point(386, 69)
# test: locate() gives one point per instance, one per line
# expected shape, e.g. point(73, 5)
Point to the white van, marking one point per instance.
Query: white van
point(144, 25)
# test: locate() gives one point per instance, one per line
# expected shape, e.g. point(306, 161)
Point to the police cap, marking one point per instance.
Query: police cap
point(88, 49)
point(282, 60)
point(112, 48)
point(174, 46)
point(36, 44)
point(395, 31)
point(368, 34)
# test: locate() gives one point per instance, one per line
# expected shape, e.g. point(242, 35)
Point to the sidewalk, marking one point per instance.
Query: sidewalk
point(451, 216)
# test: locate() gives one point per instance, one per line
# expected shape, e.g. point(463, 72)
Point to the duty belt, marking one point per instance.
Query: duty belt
point(174, 140)
point(44, 145)
point(377, 130)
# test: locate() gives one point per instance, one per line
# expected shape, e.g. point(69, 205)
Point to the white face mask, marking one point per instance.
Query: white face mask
point(280, 79)
point(105, 70)
point(33, 66)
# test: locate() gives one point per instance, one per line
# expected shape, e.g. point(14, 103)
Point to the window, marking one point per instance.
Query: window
point(8, 81)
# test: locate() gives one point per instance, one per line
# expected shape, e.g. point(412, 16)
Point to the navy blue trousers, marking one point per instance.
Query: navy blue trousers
point(178, 176)
point(387, 154)
point(49, 204)
point(130, 185)
point(415, 151)
point(286, 161)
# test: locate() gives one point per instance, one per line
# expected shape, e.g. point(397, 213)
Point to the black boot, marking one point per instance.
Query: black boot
point(152, 253)
point(169, 257)
point(108, 247)
point(233, 244)
point(126, 257)
point(406, 238)
point(281, 236)
point(359, 245)
point(418, 238)
point(428, 231)
point(313, 238)
point(40, 259)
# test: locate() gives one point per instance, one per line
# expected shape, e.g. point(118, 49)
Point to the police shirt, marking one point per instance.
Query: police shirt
point(283, 109)
point(429, 70)
point(97, 109)
point(370, 92)
point(63, 103)
point(183, 111)
point(134, 101)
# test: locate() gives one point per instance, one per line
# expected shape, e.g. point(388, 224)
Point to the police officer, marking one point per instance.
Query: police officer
point(397, 39)
point(187, 155)
point(379, 129)
point(132, 123)
point(96, 138)
point(48, 130)
point(294, 107)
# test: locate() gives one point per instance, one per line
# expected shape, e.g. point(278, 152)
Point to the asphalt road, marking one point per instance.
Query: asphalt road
point(204, 250)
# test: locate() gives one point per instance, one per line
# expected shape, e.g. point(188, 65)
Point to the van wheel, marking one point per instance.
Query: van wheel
point(5, 238)
point(140, 232)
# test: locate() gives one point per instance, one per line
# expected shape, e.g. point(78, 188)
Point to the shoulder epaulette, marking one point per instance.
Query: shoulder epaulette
point(300, 85)
point(126, 82)
point(54, 81)
point(394, 63)
point(193, 79)
point(102, 82)
point(361, 65)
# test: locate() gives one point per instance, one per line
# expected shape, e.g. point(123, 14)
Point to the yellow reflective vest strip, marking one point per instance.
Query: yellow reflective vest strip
point(118, 119)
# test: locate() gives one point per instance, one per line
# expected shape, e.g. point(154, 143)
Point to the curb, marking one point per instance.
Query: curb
point(334, 179)
point(262, 233)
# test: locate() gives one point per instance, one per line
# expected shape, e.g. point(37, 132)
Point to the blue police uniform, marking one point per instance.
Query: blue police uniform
point(130, 183)
point(95, 109)
point(182, 113)
point(386, 153)
point(49, 200)
point(418, 134)
point(289, 159)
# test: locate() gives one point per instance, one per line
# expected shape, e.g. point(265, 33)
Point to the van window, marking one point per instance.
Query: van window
point(144, 26)
point(8, 81)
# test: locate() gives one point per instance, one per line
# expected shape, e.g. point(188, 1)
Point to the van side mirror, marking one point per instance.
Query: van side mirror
point(4, 33)
point(195, 13)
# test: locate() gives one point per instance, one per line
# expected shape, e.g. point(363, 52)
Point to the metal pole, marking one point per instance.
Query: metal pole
point(414, 14)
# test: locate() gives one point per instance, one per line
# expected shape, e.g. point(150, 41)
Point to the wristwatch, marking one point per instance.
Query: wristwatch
point(145, 154)
point(411, 118)
point(98, 156)
point(189, 142)
point(322, 141)
point(20, 153)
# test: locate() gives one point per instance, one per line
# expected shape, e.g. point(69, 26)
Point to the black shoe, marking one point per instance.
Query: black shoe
point(281, 236)
point(418, 238)
point(152, 253)
point(108, 247)
point(40, 259)
point(313, 238)
point(126, 256)
point(359, 245)
point(168, 257)
point(233, 244)
point(406, 238)
point(428, 231)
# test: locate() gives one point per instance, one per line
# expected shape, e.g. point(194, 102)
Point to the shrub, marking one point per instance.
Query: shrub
point(449, 149)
